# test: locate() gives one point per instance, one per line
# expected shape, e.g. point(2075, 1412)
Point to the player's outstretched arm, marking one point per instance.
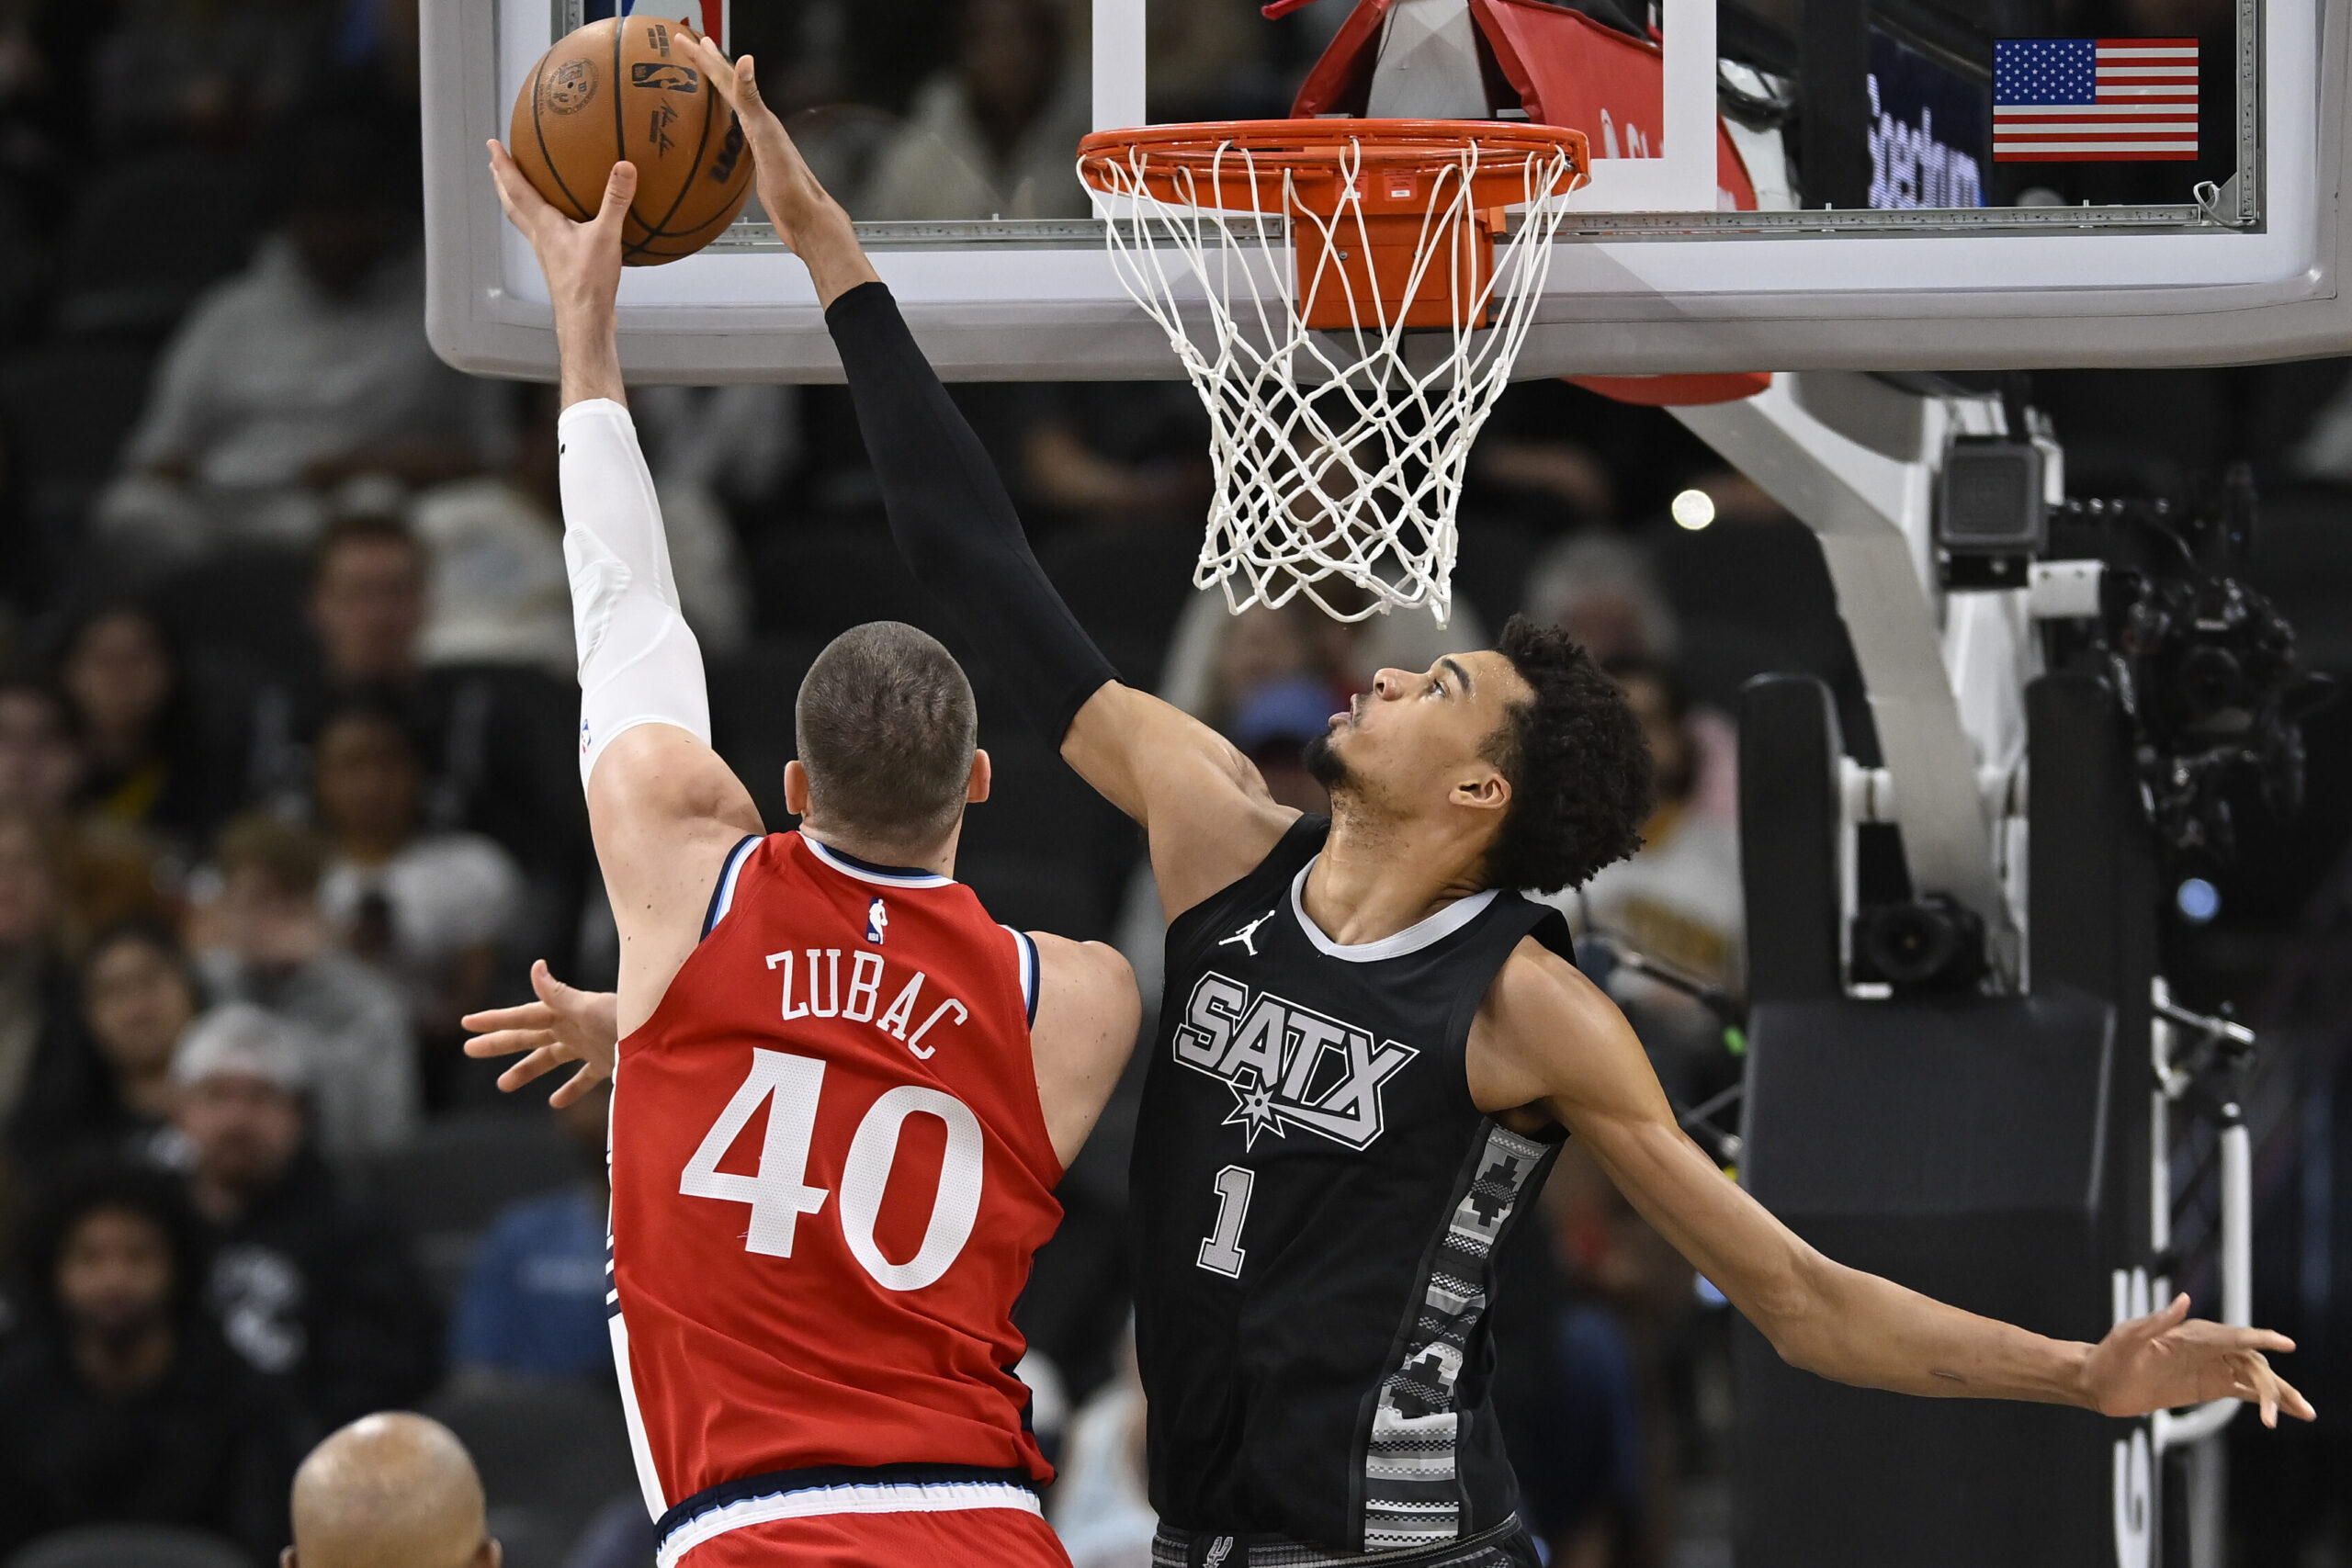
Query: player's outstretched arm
point(1208, 811)
point(1547, 1037)
point(662, 805)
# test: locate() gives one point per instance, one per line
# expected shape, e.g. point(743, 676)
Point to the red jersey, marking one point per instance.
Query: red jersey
point(830, 1172)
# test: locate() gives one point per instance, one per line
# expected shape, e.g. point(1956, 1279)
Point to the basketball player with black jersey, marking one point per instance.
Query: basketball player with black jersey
point(844, 1094)
point(1371, 1046)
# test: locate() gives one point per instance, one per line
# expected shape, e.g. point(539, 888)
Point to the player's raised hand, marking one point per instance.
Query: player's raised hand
point(2168, 1359)
point(582, 261)
point(807, 219)
point(566, 1024)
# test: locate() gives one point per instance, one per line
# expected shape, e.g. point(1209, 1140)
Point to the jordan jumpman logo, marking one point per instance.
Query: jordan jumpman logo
point(1248, 935)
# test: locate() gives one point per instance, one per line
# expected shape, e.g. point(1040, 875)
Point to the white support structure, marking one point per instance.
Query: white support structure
point(1855, 460)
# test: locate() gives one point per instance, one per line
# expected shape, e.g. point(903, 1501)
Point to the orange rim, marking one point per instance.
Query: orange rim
point(1224, 165)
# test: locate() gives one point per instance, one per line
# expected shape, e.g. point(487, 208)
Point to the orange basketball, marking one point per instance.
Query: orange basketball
point(625, 88)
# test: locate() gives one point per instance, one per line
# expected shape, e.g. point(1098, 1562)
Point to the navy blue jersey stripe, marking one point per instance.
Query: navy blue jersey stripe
point(722, 895)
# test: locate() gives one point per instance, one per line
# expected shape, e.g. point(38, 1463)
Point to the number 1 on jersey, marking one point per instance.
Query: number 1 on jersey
point(1221, 1253)
point(777, 1195)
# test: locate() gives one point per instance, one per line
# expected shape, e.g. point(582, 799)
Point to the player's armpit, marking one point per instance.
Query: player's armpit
point(663, 810)
point(1088, 1011)
point(1548, 1037)
point(1203, 805)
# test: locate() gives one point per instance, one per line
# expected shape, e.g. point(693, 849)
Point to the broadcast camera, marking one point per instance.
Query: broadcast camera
point(2203, 666)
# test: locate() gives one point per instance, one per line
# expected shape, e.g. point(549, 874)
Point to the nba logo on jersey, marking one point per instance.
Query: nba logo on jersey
point(706, 17)
point(878, 919)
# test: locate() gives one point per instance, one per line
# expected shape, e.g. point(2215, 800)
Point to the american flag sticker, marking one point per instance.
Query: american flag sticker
point(2082, 100)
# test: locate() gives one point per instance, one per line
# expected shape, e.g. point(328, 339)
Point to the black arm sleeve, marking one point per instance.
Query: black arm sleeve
point(952, 521)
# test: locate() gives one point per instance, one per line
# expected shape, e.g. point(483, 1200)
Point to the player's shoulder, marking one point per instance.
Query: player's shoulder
point(1538, 989)
point(1091, 966)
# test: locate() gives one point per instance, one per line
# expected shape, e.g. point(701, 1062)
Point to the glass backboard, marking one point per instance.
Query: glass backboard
point(1777, 184)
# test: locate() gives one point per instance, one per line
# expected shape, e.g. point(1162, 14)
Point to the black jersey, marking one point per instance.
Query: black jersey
point(1319, 1205)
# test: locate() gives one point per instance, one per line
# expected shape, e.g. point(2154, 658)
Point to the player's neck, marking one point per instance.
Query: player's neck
point(1377, 877)
point(939, 860)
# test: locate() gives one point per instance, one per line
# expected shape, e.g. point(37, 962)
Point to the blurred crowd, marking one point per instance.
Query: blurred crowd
point(286, 776)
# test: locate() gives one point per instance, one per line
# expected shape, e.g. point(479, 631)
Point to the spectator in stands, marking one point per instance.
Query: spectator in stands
point(39, 1043)
point(1101, 1505)
point(1603, 593)
point(1114, 455)
point(276, 949)
point(534, 1302)
point(40, 760)
point(494, 740)
point(1592, 1426)
point(138, 993)
point(501, 592)
point(207, 70)
point(427, 907)
point(309, 1287)
point(1678, 901)
point(390, 1489)
point(996, 134)
point(148, 761)
point(121, 1405)
point(308, 371)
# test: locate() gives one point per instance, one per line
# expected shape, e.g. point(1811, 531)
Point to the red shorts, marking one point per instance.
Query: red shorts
point(985, 1538)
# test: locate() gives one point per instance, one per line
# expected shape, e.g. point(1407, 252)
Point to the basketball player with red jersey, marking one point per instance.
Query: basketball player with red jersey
point(843, 1093)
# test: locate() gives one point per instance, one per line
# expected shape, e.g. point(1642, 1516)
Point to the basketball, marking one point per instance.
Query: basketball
point(623, 88)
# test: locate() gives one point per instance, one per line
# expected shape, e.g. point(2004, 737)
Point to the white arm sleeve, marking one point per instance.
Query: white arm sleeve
point(638, 661)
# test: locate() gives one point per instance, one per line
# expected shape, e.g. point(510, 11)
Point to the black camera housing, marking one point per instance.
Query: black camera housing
point(1928, 946)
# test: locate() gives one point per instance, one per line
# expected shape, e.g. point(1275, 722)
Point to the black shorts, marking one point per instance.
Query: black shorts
point(1505, 1545)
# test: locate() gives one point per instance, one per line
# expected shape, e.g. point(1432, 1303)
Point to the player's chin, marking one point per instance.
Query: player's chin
point(1325, 765)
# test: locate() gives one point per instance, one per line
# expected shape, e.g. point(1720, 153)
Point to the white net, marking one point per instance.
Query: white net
point(1338, 453)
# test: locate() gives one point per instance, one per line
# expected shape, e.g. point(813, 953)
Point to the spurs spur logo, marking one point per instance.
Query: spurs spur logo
point(1286, 1064)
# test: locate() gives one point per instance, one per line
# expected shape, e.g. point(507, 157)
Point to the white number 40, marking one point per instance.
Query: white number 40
point(780, 1193)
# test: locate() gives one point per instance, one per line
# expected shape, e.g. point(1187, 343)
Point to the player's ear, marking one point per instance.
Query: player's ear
point(983, 774)
point(1486, 790)
point(796, 788)
point(490, 1554)
point(285, 1558)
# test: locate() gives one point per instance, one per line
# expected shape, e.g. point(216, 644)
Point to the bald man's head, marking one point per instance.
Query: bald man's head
point(390, 1490)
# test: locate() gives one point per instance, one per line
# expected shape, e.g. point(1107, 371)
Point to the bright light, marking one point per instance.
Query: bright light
point(1694, 509)
point(2199, 900)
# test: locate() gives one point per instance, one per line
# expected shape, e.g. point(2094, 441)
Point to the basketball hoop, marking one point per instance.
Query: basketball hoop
point(1347, 296)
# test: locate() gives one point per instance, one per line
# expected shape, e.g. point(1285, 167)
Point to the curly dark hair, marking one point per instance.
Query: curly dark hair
point(1581, 779)
point(82, 1190)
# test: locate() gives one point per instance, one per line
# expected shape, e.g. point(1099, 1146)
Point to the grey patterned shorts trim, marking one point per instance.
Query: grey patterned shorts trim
point(1505, 1545)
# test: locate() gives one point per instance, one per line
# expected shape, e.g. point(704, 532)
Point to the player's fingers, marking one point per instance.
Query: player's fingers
point(523, 1015)
point(551, 991)
point(2261, 1339)
point(537, 1064)
point(590, 1075)
point(514, 193)
point(747, 88)
point(507, 1042)
point(621, 189)
point(2171, 1316)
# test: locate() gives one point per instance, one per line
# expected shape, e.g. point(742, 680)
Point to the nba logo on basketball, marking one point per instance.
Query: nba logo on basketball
point(709, 17)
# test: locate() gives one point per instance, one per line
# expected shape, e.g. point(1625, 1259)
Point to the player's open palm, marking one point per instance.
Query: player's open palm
point(789, 191)
point(566, 1024)
point(2168, 1359)
point(582, 261)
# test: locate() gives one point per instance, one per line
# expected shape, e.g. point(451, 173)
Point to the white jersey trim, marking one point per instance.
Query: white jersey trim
point(864, 1497)
point(1412, 939)
point(724, 900)
point(842, 864)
